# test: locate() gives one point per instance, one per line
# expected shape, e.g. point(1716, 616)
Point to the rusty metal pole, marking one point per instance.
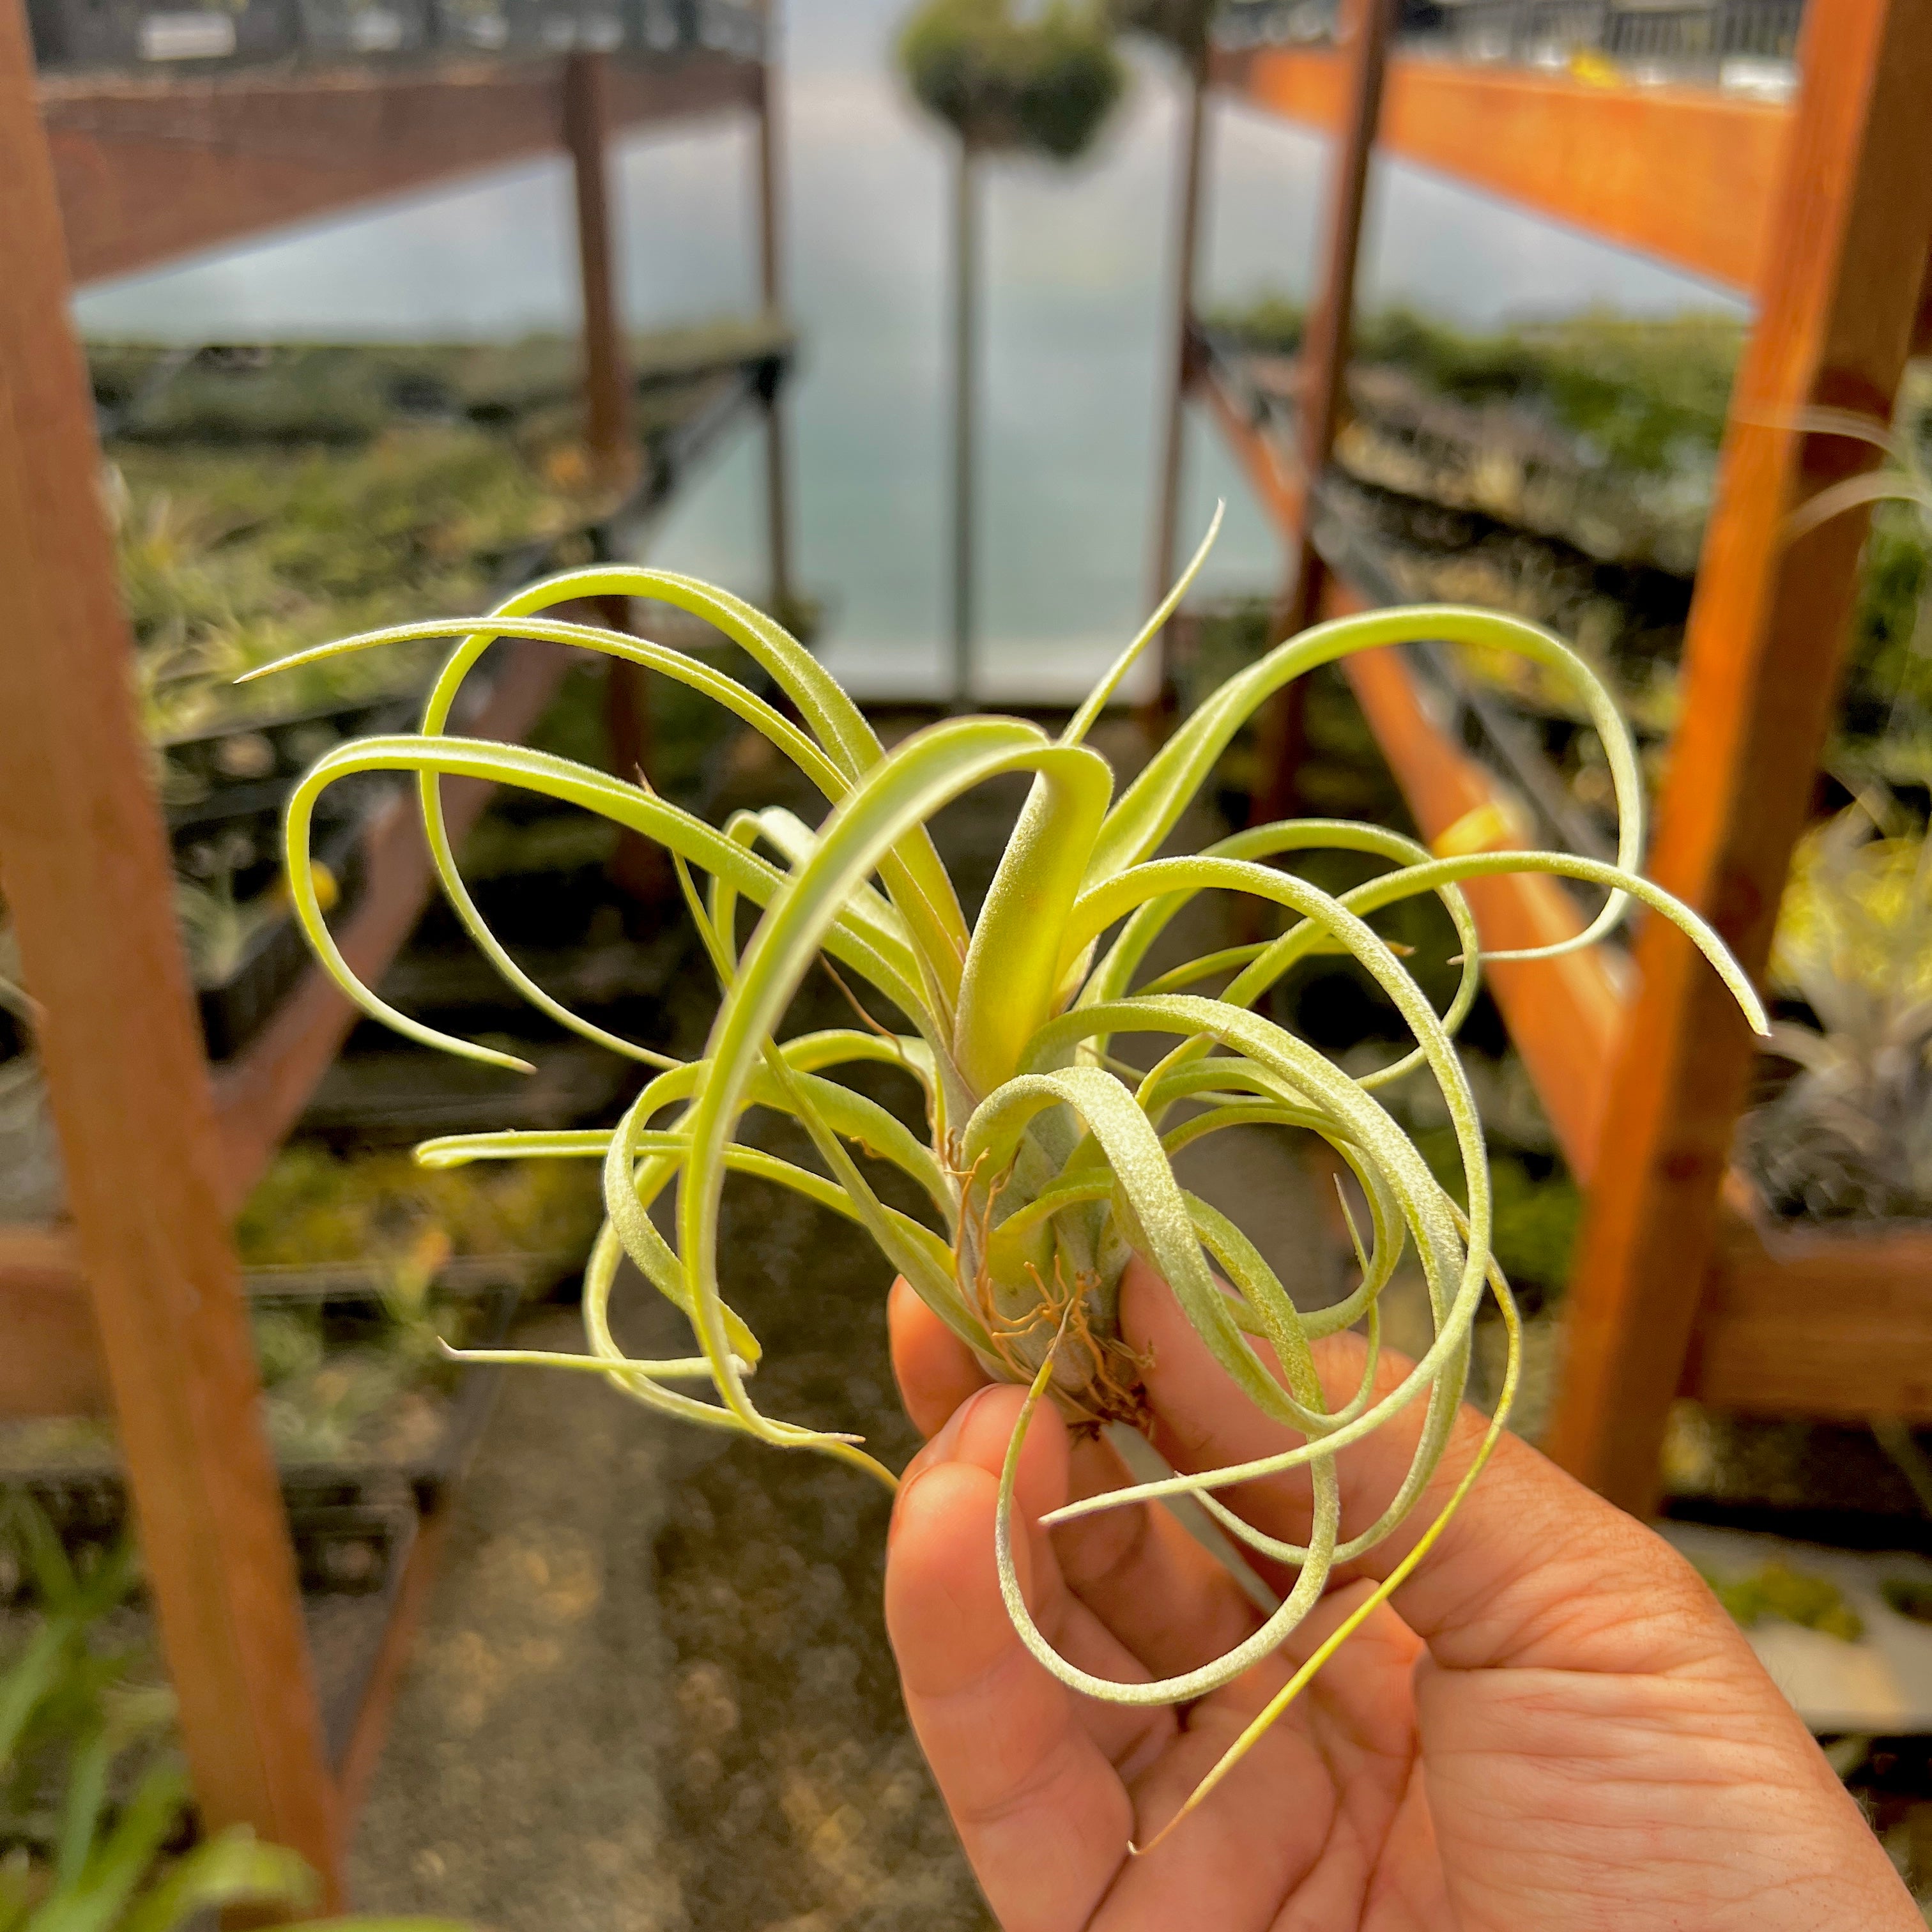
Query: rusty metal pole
point(771, 290)
point(1180, 370)
point(965, 295)
point(90, 887)
point(1324, 375)
point(1762, 655)
point(608, 414)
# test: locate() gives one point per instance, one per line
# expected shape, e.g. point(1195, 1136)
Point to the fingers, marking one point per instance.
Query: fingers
point(1532, 1569)
point(1166, 1599)
point(1150, 1583)
point(935, 1369)
point(1042, 1812)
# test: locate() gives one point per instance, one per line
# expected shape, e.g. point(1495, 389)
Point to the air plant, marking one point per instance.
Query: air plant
point(1851, 1133)
point(1046, 1160)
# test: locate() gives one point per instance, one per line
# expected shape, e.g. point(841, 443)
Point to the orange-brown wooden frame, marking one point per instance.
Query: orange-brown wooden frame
point(135, 1303)
point(1643, 1095)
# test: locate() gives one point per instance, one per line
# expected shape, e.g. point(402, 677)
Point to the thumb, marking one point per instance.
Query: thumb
point(1042, 1815)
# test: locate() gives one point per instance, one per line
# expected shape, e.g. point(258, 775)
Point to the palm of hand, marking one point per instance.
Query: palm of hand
point(1562, 1729)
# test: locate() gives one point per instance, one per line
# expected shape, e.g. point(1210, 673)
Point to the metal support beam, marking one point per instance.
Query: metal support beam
point(1181, 367)
point(965, 316)
point(608, 414)
point(1324, 368)
point(771, 289)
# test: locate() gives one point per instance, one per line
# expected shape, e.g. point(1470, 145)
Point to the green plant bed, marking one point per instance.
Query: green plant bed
point(267, 498)
point(361, 1268)
point(231, 556)
point(381, 1210)
point(1649, 396)
point(97, 1825)
point(1439, 478)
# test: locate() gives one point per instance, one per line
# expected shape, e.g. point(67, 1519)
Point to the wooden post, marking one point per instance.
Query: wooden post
point(1762, 655)
point(607, 411)
point(91, 888)
point(771, 289)
point(1181, 369)
point(1324, 374)
point(965, 306)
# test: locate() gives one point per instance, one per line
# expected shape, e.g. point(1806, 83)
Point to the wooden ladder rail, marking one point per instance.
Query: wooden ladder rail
point(1781, 1321)
point(90, 886)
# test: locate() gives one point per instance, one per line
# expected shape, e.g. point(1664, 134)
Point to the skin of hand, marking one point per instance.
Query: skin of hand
point(1551, 1724)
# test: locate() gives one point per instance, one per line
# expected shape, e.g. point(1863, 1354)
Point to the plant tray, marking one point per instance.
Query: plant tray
point(246, 769)
point(236, 1007)
point(345, 1505)
point(395, 1098)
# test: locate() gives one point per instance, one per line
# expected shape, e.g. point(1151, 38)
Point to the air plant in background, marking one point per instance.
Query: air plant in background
point(1852, 1134)
point(1045, 1160)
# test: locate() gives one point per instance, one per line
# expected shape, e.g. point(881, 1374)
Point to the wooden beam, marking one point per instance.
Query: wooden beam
point(1762, 650)
point(51, 1365)
point(90, 889)
point(1686, 175)
point(1818, 1322)
point(609, 408)
point(150, 169)
point(1365, 28)
point(1180, 371)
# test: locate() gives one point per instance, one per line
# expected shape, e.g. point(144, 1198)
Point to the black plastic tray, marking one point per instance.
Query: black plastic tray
point(344, 1513)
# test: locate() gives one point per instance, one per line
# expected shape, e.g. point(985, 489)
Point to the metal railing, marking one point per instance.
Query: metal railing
point(1690, 36)
point(153, 36)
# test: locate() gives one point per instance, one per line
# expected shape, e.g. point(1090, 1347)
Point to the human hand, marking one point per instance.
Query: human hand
point(1551, 1724)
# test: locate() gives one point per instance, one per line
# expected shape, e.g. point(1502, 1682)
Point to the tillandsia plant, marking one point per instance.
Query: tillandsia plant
point(1046, 1161)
